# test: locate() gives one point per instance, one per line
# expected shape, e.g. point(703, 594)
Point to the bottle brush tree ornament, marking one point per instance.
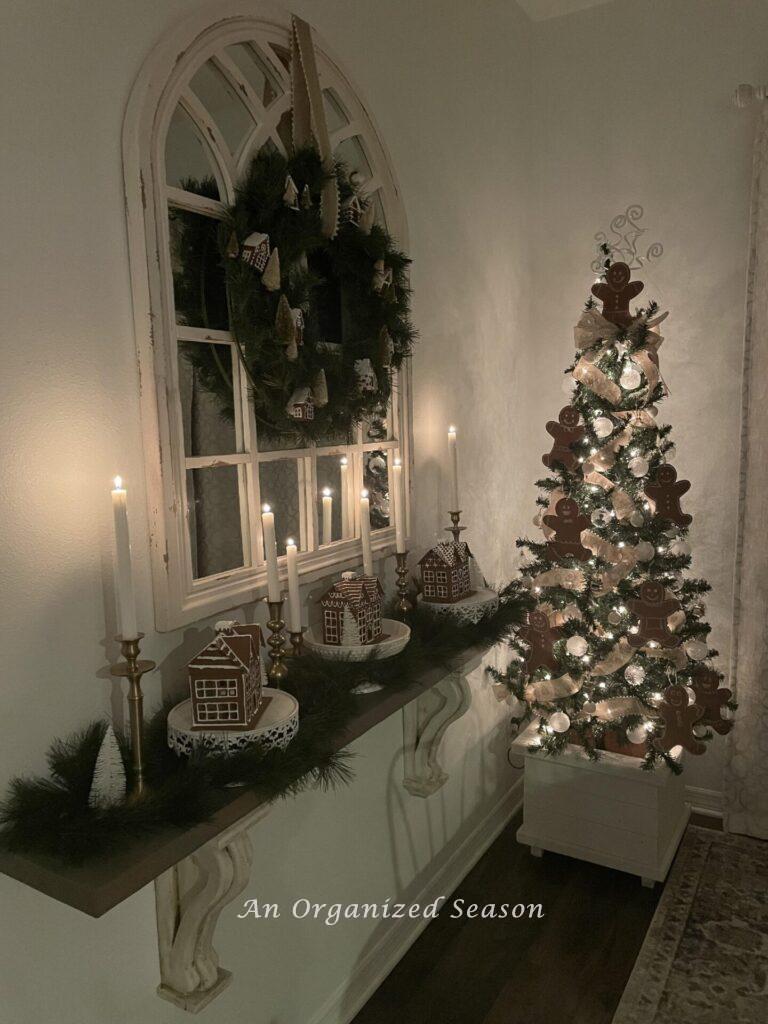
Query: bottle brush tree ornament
point(108, 786)
point(615, 654)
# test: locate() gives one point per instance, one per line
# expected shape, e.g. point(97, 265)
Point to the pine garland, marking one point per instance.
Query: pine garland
point(329, 280)
point(52, 815)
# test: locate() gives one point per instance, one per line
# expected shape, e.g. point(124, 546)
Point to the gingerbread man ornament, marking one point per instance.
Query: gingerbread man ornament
point(653, 608)
point(665, 491)
point(568, 523)
point(712, 697)
point(616, 292)
point(566, 432)
point(541, 637)
point(679, 719)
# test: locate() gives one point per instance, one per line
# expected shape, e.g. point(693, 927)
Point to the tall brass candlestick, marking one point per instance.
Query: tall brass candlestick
point(454, 528)
point(133, 669)
point(401, 568)
point(276, 641)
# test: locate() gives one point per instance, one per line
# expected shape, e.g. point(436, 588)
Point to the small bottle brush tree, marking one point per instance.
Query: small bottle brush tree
point(614, 654)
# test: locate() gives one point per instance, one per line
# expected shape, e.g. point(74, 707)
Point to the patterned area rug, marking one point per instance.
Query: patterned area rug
point(705, 957)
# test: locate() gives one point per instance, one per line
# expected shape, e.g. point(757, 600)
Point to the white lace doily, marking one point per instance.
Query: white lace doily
point(467, 611)
point(276, 727)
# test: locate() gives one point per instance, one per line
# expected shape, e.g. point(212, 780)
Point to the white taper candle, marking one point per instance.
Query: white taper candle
point(454, 456)
point(365, 532)
point(398, 506)
point(344, 469)
point(294, 602)
point(126, 598)
point(274, 592)
point(327, 514)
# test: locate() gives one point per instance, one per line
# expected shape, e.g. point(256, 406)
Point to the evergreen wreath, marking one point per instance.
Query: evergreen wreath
point(52, 816)
point(351, 290)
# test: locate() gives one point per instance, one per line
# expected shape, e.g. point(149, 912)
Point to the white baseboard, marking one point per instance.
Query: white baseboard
point(349, 998)
point(705, 801)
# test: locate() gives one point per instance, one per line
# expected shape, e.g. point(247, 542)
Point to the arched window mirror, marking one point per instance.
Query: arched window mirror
point(207, 100)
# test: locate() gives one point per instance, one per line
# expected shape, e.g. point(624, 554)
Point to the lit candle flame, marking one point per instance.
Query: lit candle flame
point(326, 492)
point(290, 542)
point(118, 483)
point(266, 508)
point(364, 492)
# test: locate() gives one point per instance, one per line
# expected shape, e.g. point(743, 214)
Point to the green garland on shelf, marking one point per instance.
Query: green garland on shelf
point(51, 816)
point(329, 279)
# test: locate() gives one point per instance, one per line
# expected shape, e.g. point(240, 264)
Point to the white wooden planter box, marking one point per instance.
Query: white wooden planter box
point(609, 812)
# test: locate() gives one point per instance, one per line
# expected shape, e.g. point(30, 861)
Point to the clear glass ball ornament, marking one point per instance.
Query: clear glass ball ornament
point(645, 551)
point(559, 721)
point(603, 427)
point(637, 519)
point(638, 466)
point(630, 378)
point(637, 734)
point(696, 650)
point(600, 517)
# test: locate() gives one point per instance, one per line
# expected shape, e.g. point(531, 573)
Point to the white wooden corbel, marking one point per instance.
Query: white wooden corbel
point(189, 899)
point(425, 721)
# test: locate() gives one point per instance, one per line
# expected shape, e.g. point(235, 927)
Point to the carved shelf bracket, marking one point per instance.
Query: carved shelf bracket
point(189, 898)
point(425, 721)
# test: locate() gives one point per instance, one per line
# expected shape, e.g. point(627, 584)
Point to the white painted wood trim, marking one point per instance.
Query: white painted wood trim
point(350, 996)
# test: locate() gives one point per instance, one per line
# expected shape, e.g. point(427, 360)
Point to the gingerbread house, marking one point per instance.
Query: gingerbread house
point(225, 679)
point(352, 611)
point(255, 251)
point(301, 406)
point(445, 574)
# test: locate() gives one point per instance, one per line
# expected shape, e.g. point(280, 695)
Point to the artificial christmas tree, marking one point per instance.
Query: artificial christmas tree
point(611, 655)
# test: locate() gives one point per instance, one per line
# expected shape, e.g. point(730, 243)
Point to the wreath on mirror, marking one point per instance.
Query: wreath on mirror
point(319, 323)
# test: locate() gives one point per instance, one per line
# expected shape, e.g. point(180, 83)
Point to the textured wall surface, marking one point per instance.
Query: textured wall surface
point(513, 143)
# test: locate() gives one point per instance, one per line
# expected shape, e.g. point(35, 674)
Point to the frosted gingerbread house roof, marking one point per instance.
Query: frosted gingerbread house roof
point(449, 552)
point(242, 647)
point(352, 590)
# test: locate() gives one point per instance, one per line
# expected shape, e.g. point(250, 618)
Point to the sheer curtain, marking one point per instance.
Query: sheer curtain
point(746, 778)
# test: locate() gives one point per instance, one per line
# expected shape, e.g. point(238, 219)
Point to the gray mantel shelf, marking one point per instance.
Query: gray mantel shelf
point(98, 886)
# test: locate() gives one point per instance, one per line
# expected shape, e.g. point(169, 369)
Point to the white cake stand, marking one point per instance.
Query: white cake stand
point(469, 610)
point(276, 727)
point(396, 636)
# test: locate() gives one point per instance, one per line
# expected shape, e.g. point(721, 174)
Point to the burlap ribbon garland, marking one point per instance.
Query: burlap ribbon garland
point(615, 659)
point(545, 690)
point(592, 377)
point(676, 655)
point(309, 123)
point(614, 708)
point(593, 327)
point(568, 579)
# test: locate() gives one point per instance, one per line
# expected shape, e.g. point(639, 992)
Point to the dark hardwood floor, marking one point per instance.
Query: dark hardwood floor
point(568, 968)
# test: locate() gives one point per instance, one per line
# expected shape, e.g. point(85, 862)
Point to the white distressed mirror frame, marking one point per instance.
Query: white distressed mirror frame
point(179, 599)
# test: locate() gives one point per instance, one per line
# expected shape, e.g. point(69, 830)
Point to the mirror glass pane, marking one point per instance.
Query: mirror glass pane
point(188, 163)
point(279, 485)
point(207, 399)
point(199, 289)
point(334, 112)
point(222, 103)
point(376, 479)
point(213, 514)
point(352, 155)
point(257, 73)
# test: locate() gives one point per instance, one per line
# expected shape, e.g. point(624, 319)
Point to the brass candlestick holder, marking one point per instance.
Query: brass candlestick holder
point(403, 605)
point(133, 669)
point(297, 642)
point(454, 528)
point(277, 671)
